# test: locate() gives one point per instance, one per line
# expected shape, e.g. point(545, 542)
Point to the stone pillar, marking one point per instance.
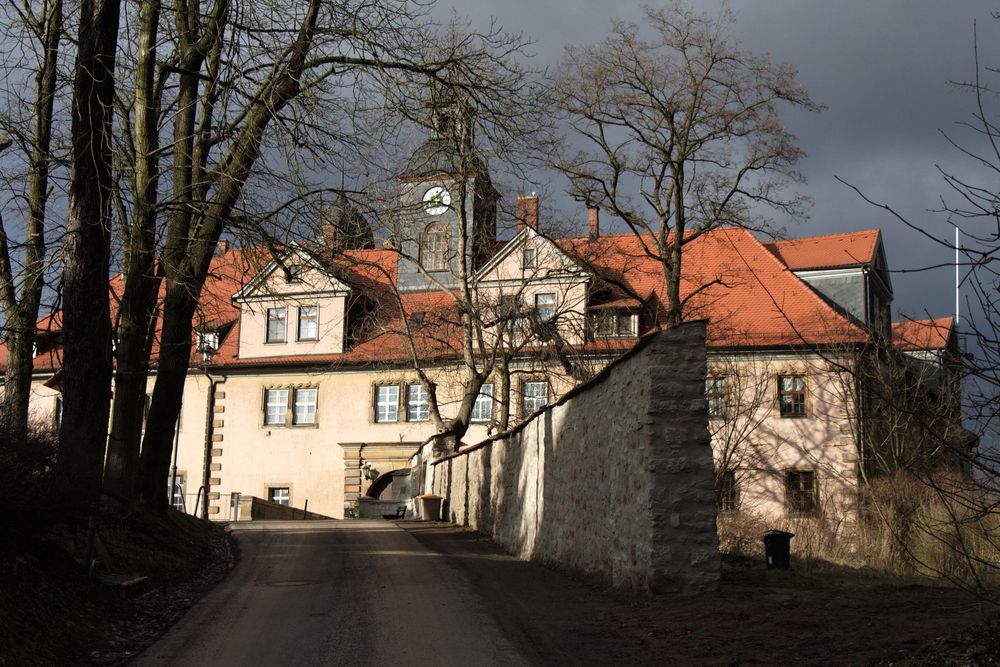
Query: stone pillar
point(684, 542)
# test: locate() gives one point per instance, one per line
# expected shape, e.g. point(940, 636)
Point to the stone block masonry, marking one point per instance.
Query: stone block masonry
point(614, 480)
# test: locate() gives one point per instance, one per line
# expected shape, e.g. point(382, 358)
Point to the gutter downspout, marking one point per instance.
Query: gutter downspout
point(213, 382)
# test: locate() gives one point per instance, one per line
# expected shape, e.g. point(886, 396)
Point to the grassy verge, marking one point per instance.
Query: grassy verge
point(54, 608)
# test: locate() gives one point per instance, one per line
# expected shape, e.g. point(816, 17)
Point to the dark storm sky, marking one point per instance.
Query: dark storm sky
point(882, 68)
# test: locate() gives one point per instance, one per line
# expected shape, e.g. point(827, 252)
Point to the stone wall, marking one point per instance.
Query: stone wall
point(615, 480)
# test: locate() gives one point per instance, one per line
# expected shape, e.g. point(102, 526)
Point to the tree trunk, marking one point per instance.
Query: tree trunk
point(86, 256)
point(168, 391)
point(22, 313)
point(138, 305)
point(191, 242)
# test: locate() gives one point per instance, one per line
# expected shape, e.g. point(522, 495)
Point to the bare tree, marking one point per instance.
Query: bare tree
point(484, 110)
point(86, 255)
point(21, 291)
point(681, 131)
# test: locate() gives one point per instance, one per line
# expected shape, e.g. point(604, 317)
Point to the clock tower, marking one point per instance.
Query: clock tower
point(431, 230)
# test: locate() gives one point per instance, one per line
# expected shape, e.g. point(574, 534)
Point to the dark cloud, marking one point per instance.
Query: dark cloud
point(883, 71)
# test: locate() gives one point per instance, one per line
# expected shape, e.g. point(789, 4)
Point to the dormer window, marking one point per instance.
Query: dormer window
point(208, 343)
point(614, 324)
point(435, 244)
point(275, 325)
point(529, 258)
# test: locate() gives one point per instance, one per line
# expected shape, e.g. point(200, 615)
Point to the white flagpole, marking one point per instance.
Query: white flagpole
point(957, 298)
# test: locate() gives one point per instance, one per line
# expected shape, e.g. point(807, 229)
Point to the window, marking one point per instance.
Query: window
point(305, 406)
point(614, 325)
point(387, 403)
point(279, 494)
point(434, 246)
point(416, 403)
point(208, 344)
point(792, 395)
point(529, 258)
point(275, 325)
point(482, 409)
point(800, 491)
point(715, 393)
point(57, 413)
point(545, 306)
point(177, 494)
point(534, 395)
point(726, 494)
point(308, 323)
point(293, 274)
point(626, 324)
point(275, 406)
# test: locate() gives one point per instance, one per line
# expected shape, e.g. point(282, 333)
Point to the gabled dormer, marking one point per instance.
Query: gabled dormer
point(293, 306)
point(532, 282)
point(849, 270)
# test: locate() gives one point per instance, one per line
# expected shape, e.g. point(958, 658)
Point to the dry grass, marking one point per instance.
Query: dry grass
point(942, 529)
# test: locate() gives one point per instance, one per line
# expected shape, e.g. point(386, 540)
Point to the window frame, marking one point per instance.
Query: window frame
point(436, 257)
point(295, 406)
point(375, 414)
point(473, 418)
point(612, 324)
point(716, 396)
point(267, 405)
point(284, 325)
point(314, 319)
point(728, 494)
point(178, 482)
point(548, 308)
point(798, 405)
point(801, 501)
point(524, 396)
point(416, 408)
point(288, 495)
point(526, 253)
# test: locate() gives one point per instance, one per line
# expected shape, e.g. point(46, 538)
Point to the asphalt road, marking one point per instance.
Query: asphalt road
point(336, 593)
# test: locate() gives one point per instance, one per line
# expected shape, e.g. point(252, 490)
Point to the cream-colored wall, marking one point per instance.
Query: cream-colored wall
point(42, 405)
point(308, 458)
point(767, 445)
point(253, 327)
point(248, 456)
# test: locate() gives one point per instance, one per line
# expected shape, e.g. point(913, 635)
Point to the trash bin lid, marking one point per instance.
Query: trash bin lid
point(778, 533)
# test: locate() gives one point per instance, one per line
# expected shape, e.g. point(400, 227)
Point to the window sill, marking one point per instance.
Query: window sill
point(306, 340)
point(803, 416)
point(275, 342)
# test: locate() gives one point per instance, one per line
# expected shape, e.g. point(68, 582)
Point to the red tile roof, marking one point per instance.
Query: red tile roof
point(827, 252)
point(748, 295)
point(923, 334)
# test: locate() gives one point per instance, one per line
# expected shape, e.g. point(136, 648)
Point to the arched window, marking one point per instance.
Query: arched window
point(435, 242)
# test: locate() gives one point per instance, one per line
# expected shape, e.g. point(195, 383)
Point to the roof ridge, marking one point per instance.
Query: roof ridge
point(817, 237)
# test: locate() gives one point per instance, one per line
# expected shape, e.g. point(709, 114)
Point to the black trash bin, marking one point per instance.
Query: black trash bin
point(777, 549)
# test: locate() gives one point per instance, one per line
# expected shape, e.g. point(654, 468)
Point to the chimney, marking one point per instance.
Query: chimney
point(527, 211)
point(330, 237)
point(221, 247)
point(594, 222)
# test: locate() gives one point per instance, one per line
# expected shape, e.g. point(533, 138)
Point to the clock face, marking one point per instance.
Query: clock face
point(437, 200)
